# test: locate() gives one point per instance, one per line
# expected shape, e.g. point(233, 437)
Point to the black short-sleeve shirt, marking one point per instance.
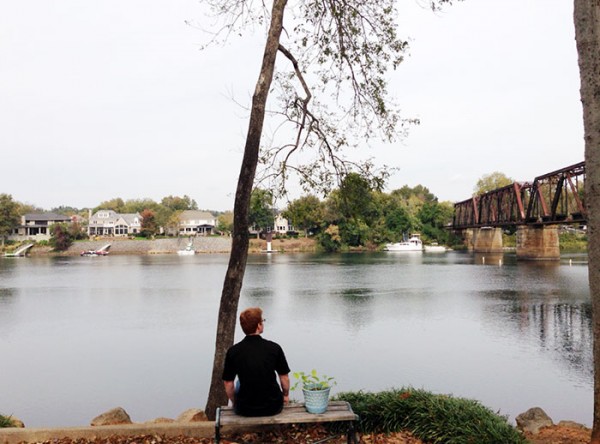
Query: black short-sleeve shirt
point(256, 362)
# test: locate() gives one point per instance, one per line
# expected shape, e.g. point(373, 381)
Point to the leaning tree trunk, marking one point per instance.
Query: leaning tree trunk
point(587, 35)
point(239, 247)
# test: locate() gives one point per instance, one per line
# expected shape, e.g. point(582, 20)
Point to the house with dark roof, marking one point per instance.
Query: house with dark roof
point(36, 226)
point(194, 223)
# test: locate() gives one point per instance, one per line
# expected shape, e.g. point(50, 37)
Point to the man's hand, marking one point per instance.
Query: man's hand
point(230, 390)
point(285, 388)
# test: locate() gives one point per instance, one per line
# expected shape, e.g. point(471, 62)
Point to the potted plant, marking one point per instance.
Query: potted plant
point(315, 389)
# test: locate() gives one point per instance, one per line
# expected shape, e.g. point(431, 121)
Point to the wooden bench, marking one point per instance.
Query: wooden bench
point(294, 413)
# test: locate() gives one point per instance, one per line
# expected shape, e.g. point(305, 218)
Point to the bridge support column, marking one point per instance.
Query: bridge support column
point(467, 236)
point(538, 243)
point(487, 240)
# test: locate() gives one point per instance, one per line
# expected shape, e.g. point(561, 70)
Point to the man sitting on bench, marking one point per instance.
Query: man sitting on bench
point(256, 362)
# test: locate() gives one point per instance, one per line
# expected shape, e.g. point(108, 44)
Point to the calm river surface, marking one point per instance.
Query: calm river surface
point(81, 335)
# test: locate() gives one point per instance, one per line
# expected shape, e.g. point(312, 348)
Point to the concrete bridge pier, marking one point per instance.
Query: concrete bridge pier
point(537, 242)
point(487, 240)
point(467, 237)
point(483, 240)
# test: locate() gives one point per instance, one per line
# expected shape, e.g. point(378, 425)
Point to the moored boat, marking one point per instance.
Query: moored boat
point(99, 252)
point(414, 243)
point(435, 248)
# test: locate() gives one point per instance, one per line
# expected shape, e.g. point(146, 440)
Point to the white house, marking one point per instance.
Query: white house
point(193, 223)
point(282, 225)
point(111, 223)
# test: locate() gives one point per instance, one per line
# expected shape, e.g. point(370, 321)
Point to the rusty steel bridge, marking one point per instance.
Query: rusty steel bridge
point(551, 199)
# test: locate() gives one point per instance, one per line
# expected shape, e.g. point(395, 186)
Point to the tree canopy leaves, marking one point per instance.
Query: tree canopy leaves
point(357, 215)
point(9, 215)
point(490, 182)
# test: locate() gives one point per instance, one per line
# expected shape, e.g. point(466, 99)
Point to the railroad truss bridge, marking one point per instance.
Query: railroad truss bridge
point(536, 209)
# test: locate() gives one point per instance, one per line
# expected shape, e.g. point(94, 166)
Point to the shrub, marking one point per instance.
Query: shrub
point(5, 421)
point(61, 238)
point(432, 418)
point(330, 240)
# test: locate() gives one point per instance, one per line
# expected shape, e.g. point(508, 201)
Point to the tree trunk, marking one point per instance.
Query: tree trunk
point(587, 35)
point(239, 246)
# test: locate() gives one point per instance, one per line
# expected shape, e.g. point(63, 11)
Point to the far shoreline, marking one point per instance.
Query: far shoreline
point(201, 245)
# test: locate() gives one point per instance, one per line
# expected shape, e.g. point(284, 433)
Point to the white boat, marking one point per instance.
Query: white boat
point(435, 248)
point(20, 252)
point(414, 243)
point(99, 252)
point(188, 251)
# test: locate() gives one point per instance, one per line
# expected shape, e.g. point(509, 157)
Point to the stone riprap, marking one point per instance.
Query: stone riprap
point(118, 415)
point(533, 420)
point(156, 246)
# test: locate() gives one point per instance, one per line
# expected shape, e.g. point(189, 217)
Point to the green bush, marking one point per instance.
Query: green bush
point(5, 421)
point(572, 242)
point(431, 418)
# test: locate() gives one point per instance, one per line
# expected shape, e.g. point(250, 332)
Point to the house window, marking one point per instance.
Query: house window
point(121, 230)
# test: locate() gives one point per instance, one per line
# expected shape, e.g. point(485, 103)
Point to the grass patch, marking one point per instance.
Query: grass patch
point(431, 418)
point(5, 421)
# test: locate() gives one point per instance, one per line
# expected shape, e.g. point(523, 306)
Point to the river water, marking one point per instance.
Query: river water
point(81, 335)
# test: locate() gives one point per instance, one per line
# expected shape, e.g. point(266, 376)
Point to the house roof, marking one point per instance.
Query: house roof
point(114, 217)
point(111, 215)
point(46, 217)
point(130, 218)
point(196, 215)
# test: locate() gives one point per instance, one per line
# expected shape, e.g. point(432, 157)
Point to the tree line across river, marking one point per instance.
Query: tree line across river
point(357, 214)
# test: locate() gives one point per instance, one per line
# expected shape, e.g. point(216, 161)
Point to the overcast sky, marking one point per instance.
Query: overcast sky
point(114, 98)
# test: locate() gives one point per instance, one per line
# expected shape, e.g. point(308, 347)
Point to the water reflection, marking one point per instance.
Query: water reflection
point(560, 328)
point(489, 258)
point(7, 300)
point(6, 295)
point(546, 306)
point(356, 294)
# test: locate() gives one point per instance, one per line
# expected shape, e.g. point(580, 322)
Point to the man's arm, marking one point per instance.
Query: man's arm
point(230, 390)
point(285, 387)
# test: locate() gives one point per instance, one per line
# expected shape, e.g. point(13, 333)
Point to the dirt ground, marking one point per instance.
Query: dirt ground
point(558, 434)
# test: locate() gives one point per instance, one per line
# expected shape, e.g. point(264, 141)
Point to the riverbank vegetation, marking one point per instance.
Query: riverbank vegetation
point(573, 241)
point(359, 214)
point(430, 417)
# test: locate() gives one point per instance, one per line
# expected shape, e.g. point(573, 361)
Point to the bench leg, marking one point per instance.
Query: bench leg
point(218, 426)
point(352, 434)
